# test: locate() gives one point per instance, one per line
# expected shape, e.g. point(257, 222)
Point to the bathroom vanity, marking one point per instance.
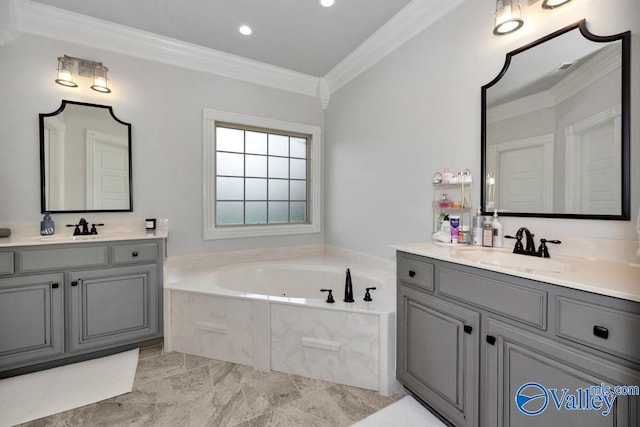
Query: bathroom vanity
point(473, 329)
point(64, 299)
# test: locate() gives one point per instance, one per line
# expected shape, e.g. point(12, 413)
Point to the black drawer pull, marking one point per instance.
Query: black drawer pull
point(601, 331)
point(412, 273)
point(134, 254)
point(468, 329)
point(491, 339)
point(55, 285)
point(74, 283)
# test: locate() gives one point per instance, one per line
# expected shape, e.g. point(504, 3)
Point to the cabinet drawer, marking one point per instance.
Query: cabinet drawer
point(614, 332)
point(415, 272)
point(46, 259)
point(516, 302)
point(128, 254)
point(6, 263)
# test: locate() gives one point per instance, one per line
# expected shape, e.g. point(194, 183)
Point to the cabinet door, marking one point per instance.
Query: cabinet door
point(438, 354)
point(557, 376)
point(113, 306)
point(31, 319)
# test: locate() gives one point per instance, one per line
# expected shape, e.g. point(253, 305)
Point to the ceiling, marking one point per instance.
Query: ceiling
point(299, 35)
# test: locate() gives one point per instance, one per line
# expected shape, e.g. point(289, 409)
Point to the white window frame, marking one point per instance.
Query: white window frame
point(213, 231)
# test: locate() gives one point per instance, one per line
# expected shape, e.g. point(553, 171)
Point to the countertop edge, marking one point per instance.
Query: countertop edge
point(443, 253)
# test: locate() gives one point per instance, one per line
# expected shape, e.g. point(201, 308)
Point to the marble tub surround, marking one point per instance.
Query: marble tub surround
point(28, 234)
point(350, 343)
point(177, 389)
point(589, 269)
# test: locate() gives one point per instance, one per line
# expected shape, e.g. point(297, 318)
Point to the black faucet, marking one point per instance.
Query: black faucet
point(530, 248)
point(348, 288)
point(85, 228)
point(531, 245)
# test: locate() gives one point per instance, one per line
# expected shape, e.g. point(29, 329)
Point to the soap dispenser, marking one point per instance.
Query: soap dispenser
point(498, 236)
point(47, 226)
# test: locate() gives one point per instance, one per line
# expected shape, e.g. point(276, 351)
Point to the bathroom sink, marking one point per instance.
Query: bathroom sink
point(511, 260)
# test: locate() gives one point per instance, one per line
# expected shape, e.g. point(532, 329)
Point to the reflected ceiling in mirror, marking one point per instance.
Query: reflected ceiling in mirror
point(85, 160)
point(555, 128)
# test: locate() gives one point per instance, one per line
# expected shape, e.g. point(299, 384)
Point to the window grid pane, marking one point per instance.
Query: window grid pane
point(269, 173)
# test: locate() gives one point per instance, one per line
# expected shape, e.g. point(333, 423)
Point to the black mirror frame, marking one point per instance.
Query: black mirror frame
point(625, 101)
point(42, 116)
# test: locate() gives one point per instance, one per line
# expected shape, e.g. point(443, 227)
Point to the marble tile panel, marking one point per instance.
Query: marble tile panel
point(214, 327)
point(355, 358)
point(195, 362)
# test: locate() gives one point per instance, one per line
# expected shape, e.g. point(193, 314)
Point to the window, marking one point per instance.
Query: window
point(261, 176)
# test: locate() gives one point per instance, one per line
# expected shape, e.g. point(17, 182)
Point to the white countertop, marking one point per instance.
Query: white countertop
point(605, 277)
point(34, 239)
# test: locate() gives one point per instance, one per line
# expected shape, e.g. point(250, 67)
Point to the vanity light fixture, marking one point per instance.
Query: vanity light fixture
point(508, 17)
point(550, 4)
point(69, 67)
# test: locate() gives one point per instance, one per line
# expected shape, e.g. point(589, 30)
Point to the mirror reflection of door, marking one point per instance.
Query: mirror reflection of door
point(54, 137)
point(107, 171)
point(525, 168)
point(593, 154)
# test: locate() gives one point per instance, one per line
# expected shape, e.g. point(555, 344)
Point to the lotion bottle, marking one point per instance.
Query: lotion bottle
point(487, 233)
point(47, 226)
point(478, 222)
point(498, 237)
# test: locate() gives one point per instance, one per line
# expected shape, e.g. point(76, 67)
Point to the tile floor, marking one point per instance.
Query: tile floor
point(176, 389)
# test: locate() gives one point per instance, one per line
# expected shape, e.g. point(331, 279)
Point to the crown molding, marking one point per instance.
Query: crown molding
point(59, 24)
point(50, 22)
point(406, 24)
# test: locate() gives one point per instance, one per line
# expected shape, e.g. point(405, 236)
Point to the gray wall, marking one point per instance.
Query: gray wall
point(417, 111)
point(164, 105)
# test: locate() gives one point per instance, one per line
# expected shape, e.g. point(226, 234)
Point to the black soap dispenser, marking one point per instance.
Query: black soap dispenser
point(47, 226)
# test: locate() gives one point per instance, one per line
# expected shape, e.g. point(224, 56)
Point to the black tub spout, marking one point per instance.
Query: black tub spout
point(348, 288)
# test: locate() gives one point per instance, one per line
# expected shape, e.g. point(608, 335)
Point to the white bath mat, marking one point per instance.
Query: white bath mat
point(40, 394)
point(406, 412)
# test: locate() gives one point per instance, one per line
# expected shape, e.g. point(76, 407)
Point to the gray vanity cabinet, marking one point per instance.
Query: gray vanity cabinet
point(63, 303)
point(31, 318)
point(469, 339)
point(517, 358)
point(109, 306)
point(439, 353)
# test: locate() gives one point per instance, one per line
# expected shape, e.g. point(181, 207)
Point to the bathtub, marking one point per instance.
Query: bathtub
point(272, 316)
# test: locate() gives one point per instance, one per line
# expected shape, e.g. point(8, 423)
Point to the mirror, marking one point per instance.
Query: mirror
point(85, 160)
point(555, 129)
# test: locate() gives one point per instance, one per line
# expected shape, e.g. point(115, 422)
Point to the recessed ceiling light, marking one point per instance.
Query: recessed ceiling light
point(245, 30)
point(327, 3)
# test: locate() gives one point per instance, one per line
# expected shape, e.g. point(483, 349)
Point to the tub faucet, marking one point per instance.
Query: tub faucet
point(348, 288)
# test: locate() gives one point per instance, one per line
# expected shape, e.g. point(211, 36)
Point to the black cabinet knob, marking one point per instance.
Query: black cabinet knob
point(134, 254)
point(55, 285)
point(74, 283)
point(468, 329)
point(601, 331)
point(491, 339)
point(412, 273)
